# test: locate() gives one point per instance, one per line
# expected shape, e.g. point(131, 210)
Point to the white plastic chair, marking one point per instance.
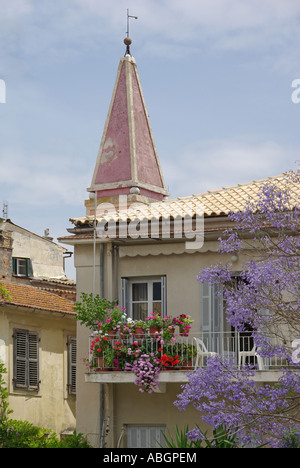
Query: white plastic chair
point(201, 351)
point(252, 353)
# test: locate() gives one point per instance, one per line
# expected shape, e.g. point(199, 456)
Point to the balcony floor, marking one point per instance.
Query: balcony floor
point(174, 376)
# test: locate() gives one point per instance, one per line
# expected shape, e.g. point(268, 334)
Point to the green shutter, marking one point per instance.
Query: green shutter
point(14, 262)
point(28, 267)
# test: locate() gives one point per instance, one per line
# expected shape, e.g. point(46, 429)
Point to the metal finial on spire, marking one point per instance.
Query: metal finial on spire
point(127, 40)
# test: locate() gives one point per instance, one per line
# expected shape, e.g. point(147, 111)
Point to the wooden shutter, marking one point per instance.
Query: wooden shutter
point(28, 267)
point(14, 262)
point(26, 360)
point(72, 360)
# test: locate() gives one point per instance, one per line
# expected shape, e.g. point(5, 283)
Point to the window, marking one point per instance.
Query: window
point(22, 266)
point(72, 350)
point(139, 436)
point(141, 296)
point(26, 360)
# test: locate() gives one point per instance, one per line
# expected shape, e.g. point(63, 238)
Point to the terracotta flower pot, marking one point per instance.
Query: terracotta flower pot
point(186, 365)
point(101, 364)
point(111, 334)
point(139, 332)
point(154, 330)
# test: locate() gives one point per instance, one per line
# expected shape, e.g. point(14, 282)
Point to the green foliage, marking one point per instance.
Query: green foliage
point(181, 439)
point(22, 434)
point(4, 293)
point(92, 310)
point(222, 438)
point(4, 410)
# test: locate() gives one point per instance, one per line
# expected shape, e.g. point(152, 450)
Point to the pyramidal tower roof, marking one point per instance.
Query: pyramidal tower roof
point(127, 162)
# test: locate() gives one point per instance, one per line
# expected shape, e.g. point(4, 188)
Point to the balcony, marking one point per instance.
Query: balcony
point(178, 357)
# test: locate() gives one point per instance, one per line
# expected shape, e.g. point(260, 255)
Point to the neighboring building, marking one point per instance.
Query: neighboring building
point(28, 258)
point(38, 348)
point(37, 329)
point(144, 256)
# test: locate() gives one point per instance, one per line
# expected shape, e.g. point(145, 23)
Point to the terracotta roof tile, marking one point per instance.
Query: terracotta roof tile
point(214, 203)
point(28, 296)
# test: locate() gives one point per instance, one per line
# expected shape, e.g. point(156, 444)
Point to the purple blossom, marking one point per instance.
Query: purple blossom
point(265, 298)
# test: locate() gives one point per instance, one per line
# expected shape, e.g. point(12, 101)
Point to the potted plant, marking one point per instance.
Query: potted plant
point(189, 353)
point(98, 351)
point(113, 320)
point(146, 368)
point(92, 310)
point(169, 362)
point(139, 328)
point(184, 323)
point(155, 323)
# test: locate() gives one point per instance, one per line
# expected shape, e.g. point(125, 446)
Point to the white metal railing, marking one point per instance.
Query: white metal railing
point(186, 353)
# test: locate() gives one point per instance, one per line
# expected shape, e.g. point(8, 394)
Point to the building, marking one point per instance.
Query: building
point(37, 329)
point(139, 248)
point(34, 260)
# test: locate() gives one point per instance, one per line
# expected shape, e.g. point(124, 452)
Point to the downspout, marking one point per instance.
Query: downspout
point(101, 409)
point(116, 251)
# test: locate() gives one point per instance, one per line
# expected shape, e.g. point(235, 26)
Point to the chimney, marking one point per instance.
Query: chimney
point(6, 242)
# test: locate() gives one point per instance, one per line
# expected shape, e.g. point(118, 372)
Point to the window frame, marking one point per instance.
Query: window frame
point(126, 293)
point(17, 266)
point(130, 436)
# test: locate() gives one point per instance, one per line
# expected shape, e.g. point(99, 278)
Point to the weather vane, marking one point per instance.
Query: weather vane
point(127, 40)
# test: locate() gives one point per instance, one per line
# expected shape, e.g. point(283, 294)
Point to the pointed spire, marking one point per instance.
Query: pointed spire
point(127, 162)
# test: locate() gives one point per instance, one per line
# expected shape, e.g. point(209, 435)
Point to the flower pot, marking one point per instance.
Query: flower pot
point(154, 330)
point(111, 334)
point(139, 332)
point(101, 364)
point(187, 365)
point(184, 332)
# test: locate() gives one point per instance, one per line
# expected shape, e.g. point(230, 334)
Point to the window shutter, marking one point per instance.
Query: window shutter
point(14, 262)
point(211, 308)
point(20, 359)
point(125, 294)
point(28, 267)
point(33, 361)
point(26, 360)
point(72, 360)
point(163, 296)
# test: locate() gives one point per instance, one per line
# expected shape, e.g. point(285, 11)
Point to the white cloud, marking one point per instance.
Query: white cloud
point(212, 165)
point(43, 179)
point(80, 24)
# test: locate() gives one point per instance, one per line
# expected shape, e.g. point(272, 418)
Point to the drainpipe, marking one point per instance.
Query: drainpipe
point(101, 409)
point(116, 251)
point(101, 271)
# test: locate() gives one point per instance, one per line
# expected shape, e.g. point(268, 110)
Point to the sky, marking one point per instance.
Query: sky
point(219, 78)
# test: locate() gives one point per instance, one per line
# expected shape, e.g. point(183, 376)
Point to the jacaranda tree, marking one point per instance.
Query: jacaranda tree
point(264, 297)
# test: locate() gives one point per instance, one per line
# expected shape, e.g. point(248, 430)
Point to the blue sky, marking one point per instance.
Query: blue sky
point(216, 75)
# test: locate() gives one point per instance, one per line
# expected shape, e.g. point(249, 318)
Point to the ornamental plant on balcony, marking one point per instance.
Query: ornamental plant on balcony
point(184, 323)
point(168, 362)
point(138, 328)
point(92, 310)
point(155, 322)
point(113, 321)
point(146, 369)
point(99, 351)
